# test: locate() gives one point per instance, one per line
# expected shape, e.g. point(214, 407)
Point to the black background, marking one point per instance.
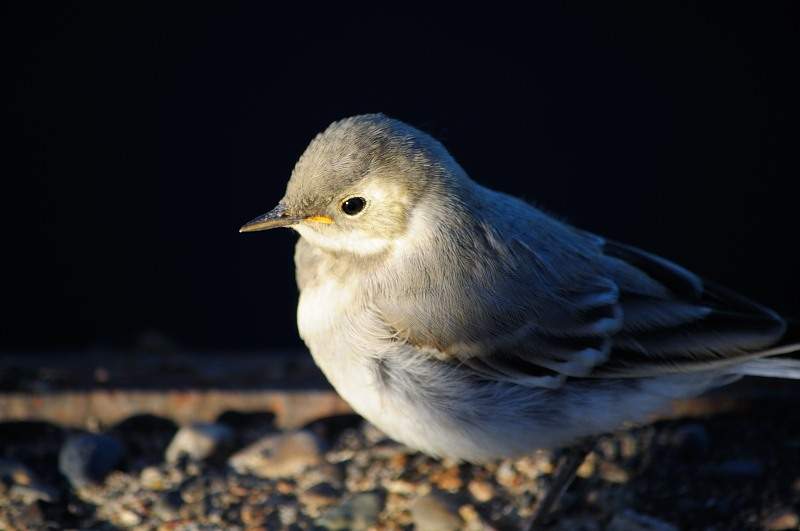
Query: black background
point(142, 137)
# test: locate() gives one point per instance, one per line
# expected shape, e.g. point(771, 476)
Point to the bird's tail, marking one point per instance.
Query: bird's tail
point(788, 368)
point(782, 361)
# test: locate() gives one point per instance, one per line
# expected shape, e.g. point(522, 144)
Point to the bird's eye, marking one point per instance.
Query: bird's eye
point(354, 205)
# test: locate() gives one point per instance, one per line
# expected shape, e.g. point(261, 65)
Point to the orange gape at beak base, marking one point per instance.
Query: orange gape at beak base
point(320, 219)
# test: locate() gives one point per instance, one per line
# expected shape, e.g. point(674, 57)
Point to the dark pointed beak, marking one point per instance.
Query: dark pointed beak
point(276, 217)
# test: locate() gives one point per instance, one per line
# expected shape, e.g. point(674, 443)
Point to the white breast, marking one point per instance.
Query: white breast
point(346, 343)
point(329, 326)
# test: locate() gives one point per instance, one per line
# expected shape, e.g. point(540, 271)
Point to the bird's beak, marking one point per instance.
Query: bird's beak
point(276, 217)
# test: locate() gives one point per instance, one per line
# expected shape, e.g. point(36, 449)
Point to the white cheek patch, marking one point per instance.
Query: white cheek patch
point(352, 241)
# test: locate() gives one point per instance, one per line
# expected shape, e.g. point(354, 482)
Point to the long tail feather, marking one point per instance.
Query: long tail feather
point(787, 368)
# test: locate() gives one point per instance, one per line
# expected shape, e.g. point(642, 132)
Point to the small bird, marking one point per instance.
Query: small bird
point(469, 324)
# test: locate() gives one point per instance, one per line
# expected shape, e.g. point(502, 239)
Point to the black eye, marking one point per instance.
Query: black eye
point(354, 205)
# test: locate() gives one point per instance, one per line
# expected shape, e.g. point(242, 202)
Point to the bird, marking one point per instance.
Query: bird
point(467, 323)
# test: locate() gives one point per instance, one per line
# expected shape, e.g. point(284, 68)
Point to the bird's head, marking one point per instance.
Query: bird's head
point(359, 184)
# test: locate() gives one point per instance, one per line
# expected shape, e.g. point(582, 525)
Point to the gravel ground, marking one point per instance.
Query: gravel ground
point(734, 471)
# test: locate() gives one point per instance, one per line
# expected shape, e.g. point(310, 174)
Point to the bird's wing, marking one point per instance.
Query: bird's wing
point(606, 310)
point(699, 326)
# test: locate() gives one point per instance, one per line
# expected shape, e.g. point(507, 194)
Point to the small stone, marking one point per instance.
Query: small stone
point(435, 513)
point(151, 478)
point(607, 448)
point(397, 462)
point(396, 506)
point(448, 479)
point(507, 476)
point(372, 433)
point(365, 509)
point(322, 473)
point(284, 487)
point(613, 473)
point(287, 514)
point(400, 486)
point(15, 472)
point(254, 515)
point(126, 518)
point(23, 484)
point(357, 513)
point(278, 455)
point(628, 445)
point(168, 505)
point(587, 468)
point(469, 514)
point(29, 517)
point(782, 521)
point(632, 521)
point(535, 465)
point(199, 441)
point(193, 491)
point(482, 491)
point(87, 458)
point(318, 496)
point(33, 493)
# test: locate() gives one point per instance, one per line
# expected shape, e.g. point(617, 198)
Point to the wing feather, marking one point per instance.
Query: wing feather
point(568, 304)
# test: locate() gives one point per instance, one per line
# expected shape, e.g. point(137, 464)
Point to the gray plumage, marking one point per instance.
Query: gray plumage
point(465, 322)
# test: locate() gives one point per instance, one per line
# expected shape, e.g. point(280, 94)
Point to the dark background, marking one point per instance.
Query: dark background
point(142, 137)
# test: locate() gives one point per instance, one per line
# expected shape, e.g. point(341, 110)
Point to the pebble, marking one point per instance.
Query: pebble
point(357, 513)
point(434, 512)
point(612, 473)
point(398, 461)
point(632, 521)
point(199, 441)
point(284, 487)
point(319, 496)
point(28, 517)
point(287, 514)
point(168, 505)
point(322, 473)
point(448, 479)
point(33, 493)
point(254, 515)
point(193, 490)
point(126, 518)
point(536, 465)
point(482, 491)
point(15, 472)
point(507, 476)
point(470, 516)
point(628, 445)
point(588, 467)
point(87, 458)
point(278, 455)
point(782, 521)
point(151, 478)
point(23, 483)
point(401, 486)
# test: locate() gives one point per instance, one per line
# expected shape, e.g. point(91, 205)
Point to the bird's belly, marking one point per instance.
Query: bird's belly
point(417, 401)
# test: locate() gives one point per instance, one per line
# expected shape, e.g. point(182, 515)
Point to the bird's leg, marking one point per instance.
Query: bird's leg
point(565, 471)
